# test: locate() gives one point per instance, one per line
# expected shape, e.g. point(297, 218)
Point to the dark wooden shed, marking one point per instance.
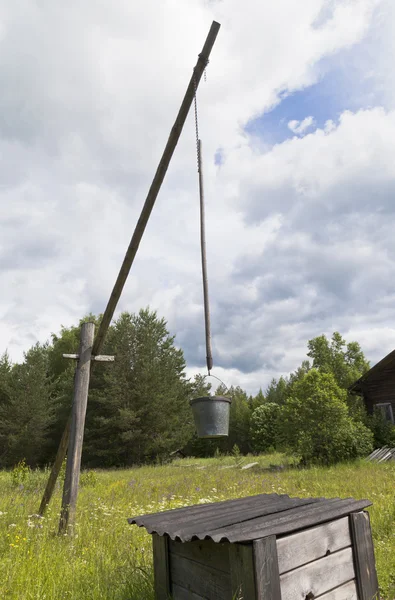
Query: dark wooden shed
point(265, 547)
point(377, 387)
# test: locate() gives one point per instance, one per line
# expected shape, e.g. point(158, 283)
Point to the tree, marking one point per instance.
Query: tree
point(265, 427)
point(139, 411)
point(257, 400)
point(346, 362)
point(277, 391)
point(317, 425)
point(27, 408)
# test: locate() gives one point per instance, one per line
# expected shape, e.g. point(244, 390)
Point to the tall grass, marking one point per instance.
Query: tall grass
point(107, 559)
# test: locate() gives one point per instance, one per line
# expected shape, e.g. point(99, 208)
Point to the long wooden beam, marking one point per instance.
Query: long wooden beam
point(135, 241)
point(155, 187)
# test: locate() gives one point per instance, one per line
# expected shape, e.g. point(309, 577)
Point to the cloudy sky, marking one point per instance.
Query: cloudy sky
point(297, 119)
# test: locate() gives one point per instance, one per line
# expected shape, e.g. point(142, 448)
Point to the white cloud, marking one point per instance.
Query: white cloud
point(299, 127)
point(89, 96)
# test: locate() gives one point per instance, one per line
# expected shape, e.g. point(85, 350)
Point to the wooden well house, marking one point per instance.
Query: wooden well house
point(266, 547)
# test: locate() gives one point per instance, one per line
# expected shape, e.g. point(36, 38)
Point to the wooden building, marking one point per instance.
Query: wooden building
point(265, 547)
point(377, 387)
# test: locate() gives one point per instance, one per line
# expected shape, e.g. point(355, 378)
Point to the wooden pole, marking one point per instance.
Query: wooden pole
point(209, 354)
point(80, 399)
point(139, 230)
point(155, 187)
point(60, 456)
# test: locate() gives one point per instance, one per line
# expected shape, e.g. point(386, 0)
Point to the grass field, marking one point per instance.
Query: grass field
point(108, 559)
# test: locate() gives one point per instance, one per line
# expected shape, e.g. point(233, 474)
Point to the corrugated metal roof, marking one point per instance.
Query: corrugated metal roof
point(246, 519)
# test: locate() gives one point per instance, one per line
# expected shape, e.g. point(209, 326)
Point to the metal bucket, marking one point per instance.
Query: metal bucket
point(211, 414)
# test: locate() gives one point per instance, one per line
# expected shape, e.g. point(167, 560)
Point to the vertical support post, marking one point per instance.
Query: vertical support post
point(160, 548)
point(242, 576)
point(365, 566)
point(267, 575)
point(80, 399)
point(60, 456)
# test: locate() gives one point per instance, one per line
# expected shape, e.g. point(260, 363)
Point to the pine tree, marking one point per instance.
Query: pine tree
point(140, 412)
point(27, 411)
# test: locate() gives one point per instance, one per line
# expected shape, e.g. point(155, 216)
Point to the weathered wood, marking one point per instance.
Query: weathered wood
point(205, 552)
point(80, 399)
point(99, 358)
point(260, 522)
point(287, 521)
point(204, 511)
point(365, 566)
point(181, 593)
point(348, 591)
point(242, 571)
point(155, 186)
point(267, 576)
point(161, 567)
point(235, 516)
point(249, 466)
point(60, 456)
point(209, 355)
point(318, 577)
point(200, 579)
point(311, 544)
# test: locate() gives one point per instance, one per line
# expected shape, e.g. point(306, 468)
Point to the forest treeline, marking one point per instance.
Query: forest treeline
point(138, 410)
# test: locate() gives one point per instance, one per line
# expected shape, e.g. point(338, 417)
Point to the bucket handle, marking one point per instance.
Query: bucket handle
point(220, 380)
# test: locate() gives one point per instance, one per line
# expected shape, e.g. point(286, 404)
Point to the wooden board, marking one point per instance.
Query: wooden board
point(181, 593)
point(242, 572)
point(200, 579)
point(348, 591)
point(267, 576)
point(318, 577)
point(205, 552)
point(161, 567)
point(313, 543)
point(365, 566)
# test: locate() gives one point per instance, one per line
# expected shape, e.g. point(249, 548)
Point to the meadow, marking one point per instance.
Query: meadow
point(107, 559)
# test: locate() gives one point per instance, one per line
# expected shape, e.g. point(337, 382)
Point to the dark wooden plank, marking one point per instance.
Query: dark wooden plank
point(242, 572)
point(199, 527)
point(312, 543)
point(267, 576)
point(318, 577)
point(206, 552)
point(289, 521)
point(78, 413)
point(200, 579)
point(181, 593)
point(161, 567)
point(187, 512)
point(365, 565)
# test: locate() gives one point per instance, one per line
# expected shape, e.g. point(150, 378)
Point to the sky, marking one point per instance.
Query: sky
point(297, 121)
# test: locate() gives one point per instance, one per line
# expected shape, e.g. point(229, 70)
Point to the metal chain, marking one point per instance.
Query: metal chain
point(196, 122)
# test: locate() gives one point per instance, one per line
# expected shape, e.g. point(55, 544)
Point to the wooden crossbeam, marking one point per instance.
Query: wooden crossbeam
point(99, 358)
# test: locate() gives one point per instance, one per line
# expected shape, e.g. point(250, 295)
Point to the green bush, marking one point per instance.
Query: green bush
point(20, 473)
point(265, 427)
point(316, 423)
point(383, 431)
